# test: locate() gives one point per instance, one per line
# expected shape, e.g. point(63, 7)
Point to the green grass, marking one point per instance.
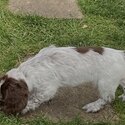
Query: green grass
point(24, 35)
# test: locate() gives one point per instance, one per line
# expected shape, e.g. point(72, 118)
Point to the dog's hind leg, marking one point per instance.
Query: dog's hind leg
point(122, 84)
point(94, 106)
point(107, 90)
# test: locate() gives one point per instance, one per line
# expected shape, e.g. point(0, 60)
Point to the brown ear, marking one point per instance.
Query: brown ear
point(14, 96)
point(3, 77)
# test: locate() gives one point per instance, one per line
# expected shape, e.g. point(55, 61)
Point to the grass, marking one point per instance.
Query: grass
point(24, 35)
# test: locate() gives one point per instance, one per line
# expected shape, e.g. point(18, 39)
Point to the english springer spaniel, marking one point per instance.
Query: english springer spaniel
point(37, 80)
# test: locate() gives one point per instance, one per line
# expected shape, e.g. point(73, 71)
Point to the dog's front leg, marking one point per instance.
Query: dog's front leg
point(31, 105)
point(40, 97)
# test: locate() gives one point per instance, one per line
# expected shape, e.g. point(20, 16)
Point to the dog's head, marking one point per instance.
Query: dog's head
point(14, 95)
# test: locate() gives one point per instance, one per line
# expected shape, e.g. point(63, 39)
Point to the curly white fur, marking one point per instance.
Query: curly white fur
point(54, 67)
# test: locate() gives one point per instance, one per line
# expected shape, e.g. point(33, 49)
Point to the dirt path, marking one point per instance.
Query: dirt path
point(68, 103)
point(47, 8)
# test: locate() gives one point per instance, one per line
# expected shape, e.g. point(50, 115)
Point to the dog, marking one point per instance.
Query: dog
point(37, 80)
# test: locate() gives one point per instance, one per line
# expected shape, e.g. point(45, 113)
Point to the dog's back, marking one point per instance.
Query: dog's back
point(72, 65)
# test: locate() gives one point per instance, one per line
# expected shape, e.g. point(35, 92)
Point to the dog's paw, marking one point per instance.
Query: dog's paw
point(94, 106)
point(122, 97)
point(24, 111)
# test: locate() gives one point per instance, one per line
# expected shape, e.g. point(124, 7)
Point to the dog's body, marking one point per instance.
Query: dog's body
point(54, 67)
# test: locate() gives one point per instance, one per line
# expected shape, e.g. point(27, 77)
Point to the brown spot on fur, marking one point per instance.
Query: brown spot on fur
point(14, 96)
point(83, 50)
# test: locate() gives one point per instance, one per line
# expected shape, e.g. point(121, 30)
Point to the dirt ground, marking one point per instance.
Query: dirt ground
point(68, 102)
point(46, 8)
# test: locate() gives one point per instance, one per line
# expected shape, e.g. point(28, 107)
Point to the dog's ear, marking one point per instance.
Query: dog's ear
point(2, 79)
point(14, 96)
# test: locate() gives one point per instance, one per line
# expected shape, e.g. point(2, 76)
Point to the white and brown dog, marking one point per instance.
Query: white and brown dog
point(38, 79)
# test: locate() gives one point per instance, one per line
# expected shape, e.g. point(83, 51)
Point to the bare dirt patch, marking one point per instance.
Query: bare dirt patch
point(46, 8)
point(68, 102)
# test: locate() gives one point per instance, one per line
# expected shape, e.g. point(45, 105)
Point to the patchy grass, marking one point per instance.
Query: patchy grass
point(103, 25)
